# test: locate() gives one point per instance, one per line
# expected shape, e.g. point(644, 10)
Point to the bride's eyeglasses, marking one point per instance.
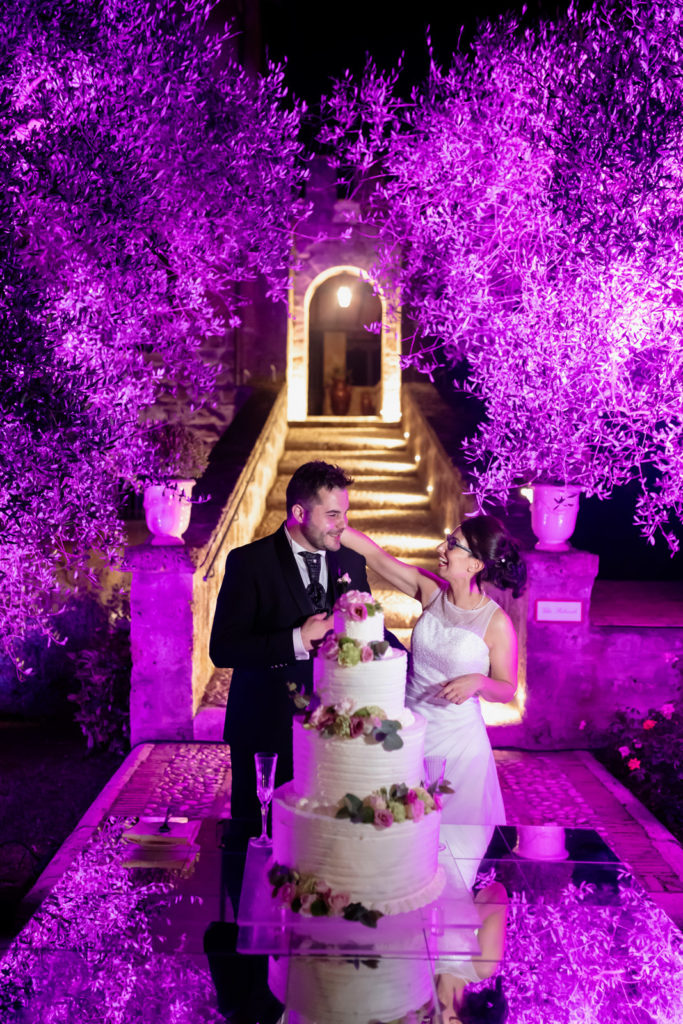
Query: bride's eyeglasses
point(453, 542)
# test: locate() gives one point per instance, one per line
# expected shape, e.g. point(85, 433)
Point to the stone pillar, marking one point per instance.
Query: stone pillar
point(162, 640)
point(559, 675)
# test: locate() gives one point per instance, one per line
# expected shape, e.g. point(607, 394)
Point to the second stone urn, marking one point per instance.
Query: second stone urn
point(553, 515)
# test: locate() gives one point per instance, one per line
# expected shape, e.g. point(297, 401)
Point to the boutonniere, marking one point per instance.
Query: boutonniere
point(343, 583)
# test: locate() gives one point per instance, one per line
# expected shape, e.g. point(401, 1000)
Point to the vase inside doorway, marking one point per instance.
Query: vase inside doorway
point(340, 396)
point(553, 515)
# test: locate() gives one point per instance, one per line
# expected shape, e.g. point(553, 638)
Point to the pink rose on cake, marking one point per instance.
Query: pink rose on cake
point(287, 892)
point(415, 810)
point(323, 890)
point(376, 802)
point(345, 706)
point(321, 718)
point(383, 819)
point(307, 901)
point(317, 716)
point(337, 903)
point(357, 726)
point(329, 648)
point(357, 612)
point(366, 654)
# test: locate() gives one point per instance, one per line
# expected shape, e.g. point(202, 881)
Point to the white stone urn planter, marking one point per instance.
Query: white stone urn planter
point(167, 510)
point(553, 515)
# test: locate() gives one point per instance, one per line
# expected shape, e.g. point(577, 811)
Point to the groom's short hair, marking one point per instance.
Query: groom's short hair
point(308, 480)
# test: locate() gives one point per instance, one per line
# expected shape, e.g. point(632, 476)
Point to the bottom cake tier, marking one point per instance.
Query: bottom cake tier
point(331, 990)
point(393, 870)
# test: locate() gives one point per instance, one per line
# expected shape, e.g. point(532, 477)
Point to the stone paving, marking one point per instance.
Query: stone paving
point(193, 779)
point(537, 791)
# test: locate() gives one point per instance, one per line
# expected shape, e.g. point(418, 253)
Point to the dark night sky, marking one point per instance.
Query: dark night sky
point(321, 39)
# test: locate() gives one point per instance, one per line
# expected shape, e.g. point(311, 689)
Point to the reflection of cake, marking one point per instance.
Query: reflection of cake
point(356, 818)
point(541, 842)
point(332, 991)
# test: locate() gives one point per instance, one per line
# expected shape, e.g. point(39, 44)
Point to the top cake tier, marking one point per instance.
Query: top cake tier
point(355, 665)
point(359, 616)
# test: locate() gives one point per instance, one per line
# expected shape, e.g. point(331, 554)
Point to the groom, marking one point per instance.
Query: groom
point(273, 608)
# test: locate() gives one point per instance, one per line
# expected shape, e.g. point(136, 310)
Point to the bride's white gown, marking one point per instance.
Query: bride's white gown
point(447, 642)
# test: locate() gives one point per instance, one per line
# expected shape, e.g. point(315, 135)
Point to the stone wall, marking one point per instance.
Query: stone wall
point(578, 674)
point(174, 591)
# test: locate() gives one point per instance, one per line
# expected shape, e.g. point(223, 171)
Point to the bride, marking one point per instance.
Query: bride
point(463, 647)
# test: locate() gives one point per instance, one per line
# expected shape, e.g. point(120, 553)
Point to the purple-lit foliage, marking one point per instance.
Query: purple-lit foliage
point(144, 176)
point(528, 202)
point(94, 951)
point(601, 953)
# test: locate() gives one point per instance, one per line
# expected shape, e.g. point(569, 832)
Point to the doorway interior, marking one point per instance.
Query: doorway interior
point(343, 344)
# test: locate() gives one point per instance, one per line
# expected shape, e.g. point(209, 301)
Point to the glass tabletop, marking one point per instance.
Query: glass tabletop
point(550, 912)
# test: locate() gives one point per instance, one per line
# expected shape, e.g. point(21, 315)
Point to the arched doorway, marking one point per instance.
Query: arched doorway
point(306, 281)
point(344, 343)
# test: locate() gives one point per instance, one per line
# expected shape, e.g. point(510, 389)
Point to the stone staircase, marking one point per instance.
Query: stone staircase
point(388, 501)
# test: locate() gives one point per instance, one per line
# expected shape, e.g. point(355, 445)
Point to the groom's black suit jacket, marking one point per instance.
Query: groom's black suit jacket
point(261, 601)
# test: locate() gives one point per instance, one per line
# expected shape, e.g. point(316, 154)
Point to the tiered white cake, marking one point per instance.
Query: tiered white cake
point(348, 761)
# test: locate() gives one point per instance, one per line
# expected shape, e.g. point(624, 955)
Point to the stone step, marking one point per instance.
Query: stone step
point(356, 463)
point(393, 492)
point(358, 439)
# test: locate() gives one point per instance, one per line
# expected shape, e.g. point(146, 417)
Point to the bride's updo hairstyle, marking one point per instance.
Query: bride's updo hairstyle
point(489, 541)
point(487, 1006)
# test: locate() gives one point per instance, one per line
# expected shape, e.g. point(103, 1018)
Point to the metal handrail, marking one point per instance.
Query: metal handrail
point(241, 488)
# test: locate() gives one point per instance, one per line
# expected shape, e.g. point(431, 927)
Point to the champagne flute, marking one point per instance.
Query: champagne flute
point(265, 781)
point(435, 769)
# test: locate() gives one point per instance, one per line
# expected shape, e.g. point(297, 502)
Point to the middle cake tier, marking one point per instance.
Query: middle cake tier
point(381, 682)
point(326, 768)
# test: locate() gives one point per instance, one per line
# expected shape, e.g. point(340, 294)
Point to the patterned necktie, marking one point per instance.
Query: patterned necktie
point(314, 589)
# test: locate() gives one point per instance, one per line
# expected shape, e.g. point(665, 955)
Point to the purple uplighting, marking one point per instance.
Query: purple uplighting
point(146, 177)
point(528, 206)
point(208, 289)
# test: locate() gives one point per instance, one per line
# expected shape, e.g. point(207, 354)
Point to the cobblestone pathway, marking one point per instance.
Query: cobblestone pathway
point(192, 778)
point(537, 791)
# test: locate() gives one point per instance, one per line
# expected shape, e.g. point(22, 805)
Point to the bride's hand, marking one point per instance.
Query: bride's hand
point(460, 689)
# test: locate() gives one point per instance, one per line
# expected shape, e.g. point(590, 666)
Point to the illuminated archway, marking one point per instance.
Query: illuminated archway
point(303, 286)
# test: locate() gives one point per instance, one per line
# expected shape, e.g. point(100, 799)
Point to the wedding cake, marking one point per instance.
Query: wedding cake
point(356, 832)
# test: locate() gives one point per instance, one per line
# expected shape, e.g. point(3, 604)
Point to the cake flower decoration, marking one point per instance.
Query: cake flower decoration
point(396, 804)
point(371, 722)
point(358, 604)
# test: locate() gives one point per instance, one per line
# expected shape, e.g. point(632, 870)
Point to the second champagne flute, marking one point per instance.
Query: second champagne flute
point(435, 769)
point(265, 782)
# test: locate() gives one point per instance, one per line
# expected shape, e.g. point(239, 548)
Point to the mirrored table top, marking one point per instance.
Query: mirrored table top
point(581, 941)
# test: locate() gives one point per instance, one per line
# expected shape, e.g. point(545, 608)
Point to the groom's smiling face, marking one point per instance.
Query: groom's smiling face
point(322, 525)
